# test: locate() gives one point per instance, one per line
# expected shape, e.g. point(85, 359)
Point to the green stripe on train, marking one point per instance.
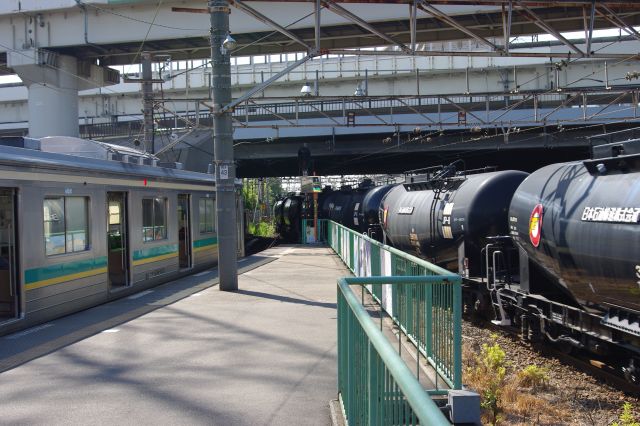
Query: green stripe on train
point(147, 253)
point(205, 242)
point(62, 269)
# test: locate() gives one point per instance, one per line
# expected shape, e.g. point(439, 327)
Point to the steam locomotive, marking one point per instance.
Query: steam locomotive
point(555, 254)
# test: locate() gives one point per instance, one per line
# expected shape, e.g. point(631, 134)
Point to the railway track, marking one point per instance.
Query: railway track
point(579, 361)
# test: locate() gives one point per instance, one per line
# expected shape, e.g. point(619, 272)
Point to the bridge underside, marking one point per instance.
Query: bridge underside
point(527, 150)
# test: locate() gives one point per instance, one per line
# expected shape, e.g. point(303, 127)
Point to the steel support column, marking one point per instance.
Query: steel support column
point(223, 148)
point(147, 102)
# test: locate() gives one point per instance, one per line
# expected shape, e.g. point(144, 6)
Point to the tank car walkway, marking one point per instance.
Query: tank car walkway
point(186, 353)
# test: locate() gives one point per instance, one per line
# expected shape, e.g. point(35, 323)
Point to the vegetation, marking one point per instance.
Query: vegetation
point(627, 417)
point(262, 229)
point(488, 376)
point(533, 377)
point(509, 395)
point(259, 196)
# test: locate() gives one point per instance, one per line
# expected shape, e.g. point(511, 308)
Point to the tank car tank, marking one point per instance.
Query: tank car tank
point(579, 222)
point(446, 216)
point(368, 219)
point(291, 213)
point(351, 217)
point(336, 204)
point(277, 215)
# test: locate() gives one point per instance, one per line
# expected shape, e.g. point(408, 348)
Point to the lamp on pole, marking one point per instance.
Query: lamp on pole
point(221, 45)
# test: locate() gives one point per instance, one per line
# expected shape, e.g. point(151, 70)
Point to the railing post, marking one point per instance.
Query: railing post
point(428, 321)
point(374, 396)
point(457, 336)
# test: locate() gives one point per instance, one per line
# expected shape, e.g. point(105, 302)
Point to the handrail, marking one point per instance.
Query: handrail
point(430, 313)
point(421, 404)
point(420, 262)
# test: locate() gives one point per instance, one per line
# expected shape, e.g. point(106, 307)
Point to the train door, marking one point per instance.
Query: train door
point(184, 230)
point(8, 262)
point(117, 240)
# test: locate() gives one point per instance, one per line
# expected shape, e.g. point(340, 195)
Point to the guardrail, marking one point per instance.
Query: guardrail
point(375, 385)
point(428, 310)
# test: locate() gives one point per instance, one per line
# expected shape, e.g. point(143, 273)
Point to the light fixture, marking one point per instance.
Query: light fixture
point(306, 89)
point(359, 91)
point(229, 43)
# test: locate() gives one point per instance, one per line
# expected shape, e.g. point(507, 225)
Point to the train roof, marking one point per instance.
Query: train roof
point(82, 156)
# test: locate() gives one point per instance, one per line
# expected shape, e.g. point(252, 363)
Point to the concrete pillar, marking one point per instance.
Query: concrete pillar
point(53, 110)
point(53, 91)
point(54, 81)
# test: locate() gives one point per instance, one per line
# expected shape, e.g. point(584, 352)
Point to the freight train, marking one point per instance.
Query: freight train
point(84, 222)
point(554, 254)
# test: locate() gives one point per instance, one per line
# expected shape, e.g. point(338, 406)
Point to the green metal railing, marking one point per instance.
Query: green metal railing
point(428, 311)
point(308, 233)
point(375, 385)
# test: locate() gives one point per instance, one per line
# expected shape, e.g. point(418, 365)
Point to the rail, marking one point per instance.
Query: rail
point(429, 313)
point(375, 385)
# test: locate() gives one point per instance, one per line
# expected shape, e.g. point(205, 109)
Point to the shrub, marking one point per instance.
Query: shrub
point(627, 418)
point(261, 229)
point(488, 377)
point(533, 377)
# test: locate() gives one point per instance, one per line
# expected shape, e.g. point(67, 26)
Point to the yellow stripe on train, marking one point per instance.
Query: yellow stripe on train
point(154, 259)
point(209, 247)
point(64, 278)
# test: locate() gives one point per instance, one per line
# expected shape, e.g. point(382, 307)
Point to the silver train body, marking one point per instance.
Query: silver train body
point(83, 223)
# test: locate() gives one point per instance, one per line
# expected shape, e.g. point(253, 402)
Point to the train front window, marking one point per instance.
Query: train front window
point(154, 219)
point(66, 225)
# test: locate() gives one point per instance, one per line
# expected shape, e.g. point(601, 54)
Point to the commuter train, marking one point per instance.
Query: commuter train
point(84, 222)
point(555, 254)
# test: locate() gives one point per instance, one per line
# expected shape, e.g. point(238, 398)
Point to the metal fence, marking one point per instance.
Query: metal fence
point(310, 235)
point(428, 310)
point(376, 387)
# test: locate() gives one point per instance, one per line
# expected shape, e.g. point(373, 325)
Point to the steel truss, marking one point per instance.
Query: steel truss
point(592, 13)
point(491, 110)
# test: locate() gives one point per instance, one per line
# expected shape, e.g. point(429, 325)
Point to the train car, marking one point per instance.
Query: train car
point(445, 215)
point(577, 228)
point(366, 215)
point(288, 212)
point(83, 222)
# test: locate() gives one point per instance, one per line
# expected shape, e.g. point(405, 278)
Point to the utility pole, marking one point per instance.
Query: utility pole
point(147, 99)
point(225, 172)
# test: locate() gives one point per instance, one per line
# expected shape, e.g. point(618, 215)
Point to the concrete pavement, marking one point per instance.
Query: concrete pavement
point(265, 355)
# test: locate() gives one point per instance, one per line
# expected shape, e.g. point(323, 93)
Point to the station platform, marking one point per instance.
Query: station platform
point(187, 353)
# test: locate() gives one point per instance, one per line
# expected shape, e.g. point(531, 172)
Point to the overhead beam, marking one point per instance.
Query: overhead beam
point(318, 23)
point(339, 10)
point(589, 28)
point(543, 25)
point(480, 54)
point(618, 21)
point(260, 17)
point(436, 13)
point(507, 16)
point(260, 87)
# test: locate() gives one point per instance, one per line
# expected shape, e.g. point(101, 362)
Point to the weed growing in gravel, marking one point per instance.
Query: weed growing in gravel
point(627, 418)
point(506, 393)
point(533, 377)
point(488, 377)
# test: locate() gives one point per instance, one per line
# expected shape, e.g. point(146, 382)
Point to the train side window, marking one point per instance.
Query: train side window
point(207, 216)
point(66, 225)
point(154, 219)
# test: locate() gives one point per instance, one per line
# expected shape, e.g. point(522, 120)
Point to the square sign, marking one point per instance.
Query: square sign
point(310, 184)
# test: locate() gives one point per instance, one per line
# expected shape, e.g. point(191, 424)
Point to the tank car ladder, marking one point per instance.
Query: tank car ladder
point(494, 292)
